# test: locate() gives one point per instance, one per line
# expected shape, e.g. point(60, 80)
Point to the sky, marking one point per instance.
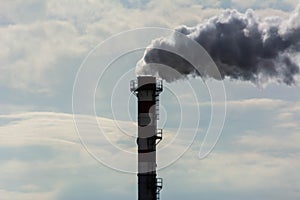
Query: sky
point(47, 152)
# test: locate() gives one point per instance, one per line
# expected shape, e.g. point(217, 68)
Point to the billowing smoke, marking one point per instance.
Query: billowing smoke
point(243, 46)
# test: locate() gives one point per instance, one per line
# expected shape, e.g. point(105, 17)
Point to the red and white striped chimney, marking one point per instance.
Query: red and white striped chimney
point(147, 90)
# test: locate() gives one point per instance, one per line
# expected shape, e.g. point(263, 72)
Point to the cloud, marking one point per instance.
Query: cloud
point(43, 149)
point(248, 105)
point(255, 4)
point(42, 42)
point(42, 157)
point(17, 11)
point(256, 103)
point(31, 51)
point(40, 39)
point(8, 195)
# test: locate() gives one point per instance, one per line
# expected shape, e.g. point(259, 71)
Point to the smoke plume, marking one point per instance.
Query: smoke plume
point(243, 46)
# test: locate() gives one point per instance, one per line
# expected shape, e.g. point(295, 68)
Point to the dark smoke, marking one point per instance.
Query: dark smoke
point(243, 46)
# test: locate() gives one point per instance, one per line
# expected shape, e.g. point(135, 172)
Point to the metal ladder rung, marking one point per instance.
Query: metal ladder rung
point(159, 185)
point(157, 106)
point(159, 133)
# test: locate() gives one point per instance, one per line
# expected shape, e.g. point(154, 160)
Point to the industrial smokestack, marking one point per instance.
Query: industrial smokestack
point(243, 46)
point(147, 90)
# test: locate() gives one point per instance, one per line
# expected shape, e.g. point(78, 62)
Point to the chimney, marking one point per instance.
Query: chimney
point(147, 90)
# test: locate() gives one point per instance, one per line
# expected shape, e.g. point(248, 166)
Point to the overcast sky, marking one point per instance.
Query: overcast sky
point(42, 46)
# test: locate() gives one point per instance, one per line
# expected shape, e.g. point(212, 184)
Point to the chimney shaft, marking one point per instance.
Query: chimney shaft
point(147, 90)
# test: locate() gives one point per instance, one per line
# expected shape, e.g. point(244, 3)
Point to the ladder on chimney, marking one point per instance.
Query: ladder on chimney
point(157, 105)
point(159, 87)
point(159, 133)
point(159, 184)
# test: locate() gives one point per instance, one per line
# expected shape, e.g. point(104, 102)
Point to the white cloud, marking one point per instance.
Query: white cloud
point(41, 154)
point(44, 35)
point(9, 195)
point(17, 11)
point(256, 4)
point(30, 52)
point(272, 142)
point(36, 44)
point(267, 161)
point(38, 38)
point(257, 103)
